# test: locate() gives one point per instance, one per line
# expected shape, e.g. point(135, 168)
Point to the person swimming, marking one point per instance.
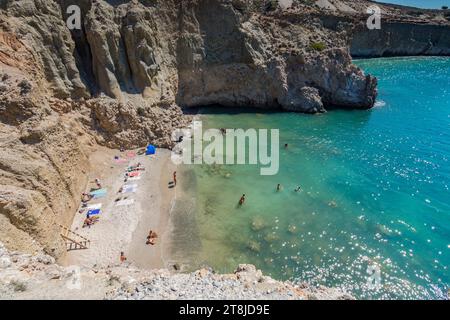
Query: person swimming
point(279, 187)
point(242, 200)
point(298, 189)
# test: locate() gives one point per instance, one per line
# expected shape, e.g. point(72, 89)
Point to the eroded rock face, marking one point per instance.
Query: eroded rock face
point(400, 39)
point(123, 125)
point(43, 163)
point(231, 57)
point(38, 23)
point(195, 53)
point(307, 99)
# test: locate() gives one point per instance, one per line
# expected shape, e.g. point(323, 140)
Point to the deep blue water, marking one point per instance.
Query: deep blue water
point(375, 191)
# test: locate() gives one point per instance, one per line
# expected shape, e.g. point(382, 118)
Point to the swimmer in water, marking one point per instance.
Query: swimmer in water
point(298, 189)
point(279, 187)
point(242, 200)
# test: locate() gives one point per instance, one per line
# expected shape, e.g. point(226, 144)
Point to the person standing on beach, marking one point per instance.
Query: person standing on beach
point(175, 178)
point(122, 257)
point(242, 200)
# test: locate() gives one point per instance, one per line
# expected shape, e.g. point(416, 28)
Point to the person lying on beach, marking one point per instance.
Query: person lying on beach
point(242, 200)
point(122, 257)
point(175, 178)
point(89, 221)
point(86, 197)
point(151, 238)
point(139, 167)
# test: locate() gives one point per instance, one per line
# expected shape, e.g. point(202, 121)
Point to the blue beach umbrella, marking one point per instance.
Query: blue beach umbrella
point(151, 149)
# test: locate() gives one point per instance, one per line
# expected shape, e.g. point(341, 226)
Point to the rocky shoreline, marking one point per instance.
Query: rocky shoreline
point(25, 276)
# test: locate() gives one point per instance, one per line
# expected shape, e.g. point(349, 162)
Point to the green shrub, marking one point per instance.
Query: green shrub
point(318, 46)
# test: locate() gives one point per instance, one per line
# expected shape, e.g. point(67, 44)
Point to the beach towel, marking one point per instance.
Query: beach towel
point(124, 202)
point(99, 193)
point(93, 212)
point(120, 161)
point(134, 174)
point(131, 155)
point(129, 188)
point(94, 206)
point(134, 178)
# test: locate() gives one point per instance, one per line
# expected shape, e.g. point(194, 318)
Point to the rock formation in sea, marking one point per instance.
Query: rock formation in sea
point(125, 78)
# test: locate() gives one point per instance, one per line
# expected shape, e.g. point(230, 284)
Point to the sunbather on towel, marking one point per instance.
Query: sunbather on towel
point(151, 238)
point(86, 197)
point(89, 221)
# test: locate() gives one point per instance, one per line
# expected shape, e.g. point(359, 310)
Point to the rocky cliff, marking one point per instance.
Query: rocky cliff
point(124, 78)
point(405, 31)
point(402, 39)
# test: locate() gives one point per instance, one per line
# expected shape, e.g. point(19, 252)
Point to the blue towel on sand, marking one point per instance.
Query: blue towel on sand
point(99, 193)
point(93, 212)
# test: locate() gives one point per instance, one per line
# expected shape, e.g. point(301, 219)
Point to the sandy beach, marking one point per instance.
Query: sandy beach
point(124, 226)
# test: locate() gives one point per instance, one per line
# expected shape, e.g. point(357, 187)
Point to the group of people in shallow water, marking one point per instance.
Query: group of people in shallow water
point(279, 188)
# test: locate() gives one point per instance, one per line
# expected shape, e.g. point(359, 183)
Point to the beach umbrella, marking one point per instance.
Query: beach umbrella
point(151, 149)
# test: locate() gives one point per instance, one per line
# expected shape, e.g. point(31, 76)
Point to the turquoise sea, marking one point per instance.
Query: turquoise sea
point(427, 4)
point(375, 191)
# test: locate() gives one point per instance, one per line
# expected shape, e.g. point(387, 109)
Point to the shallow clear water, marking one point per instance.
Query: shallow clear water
point(375, 191)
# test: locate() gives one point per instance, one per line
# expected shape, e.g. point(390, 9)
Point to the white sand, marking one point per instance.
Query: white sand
point(125, 227)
